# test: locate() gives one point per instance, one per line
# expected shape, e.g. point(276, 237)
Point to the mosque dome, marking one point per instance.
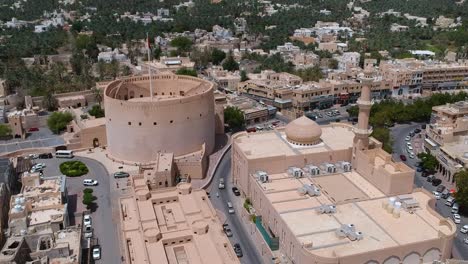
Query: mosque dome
point(303, 131)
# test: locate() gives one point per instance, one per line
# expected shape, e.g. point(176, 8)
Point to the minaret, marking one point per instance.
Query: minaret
point(362, 131)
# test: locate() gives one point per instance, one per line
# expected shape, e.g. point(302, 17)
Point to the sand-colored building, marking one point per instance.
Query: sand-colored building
point(170, 226)
point(447, 138)
point(330, 194)
point(38, 227)
point(171, 64)
point(179, 118)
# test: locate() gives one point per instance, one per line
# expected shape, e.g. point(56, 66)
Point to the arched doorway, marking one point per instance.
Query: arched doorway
point(96, 142)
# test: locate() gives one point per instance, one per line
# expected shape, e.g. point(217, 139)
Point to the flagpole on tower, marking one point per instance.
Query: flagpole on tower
point(149, 66)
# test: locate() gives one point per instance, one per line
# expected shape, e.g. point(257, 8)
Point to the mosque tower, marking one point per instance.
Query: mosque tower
point(362, 131)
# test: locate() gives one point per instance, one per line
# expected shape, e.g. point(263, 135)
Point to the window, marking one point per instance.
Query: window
point(139, 123)
point(172, 121)
point(155, 123)
point(129, 123)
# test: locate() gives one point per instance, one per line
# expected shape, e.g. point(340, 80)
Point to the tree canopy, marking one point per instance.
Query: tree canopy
point(58, 121)
point(187, 71)
point(461, 179)
point(234, 117)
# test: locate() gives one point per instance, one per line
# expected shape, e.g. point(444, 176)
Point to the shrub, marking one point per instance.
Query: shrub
point(73, 168)
point(58, 121)
point(96, 111)
point(88, 190)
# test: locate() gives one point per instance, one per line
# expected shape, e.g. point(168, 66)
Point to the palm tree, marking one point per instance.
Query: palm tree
point(97, 95)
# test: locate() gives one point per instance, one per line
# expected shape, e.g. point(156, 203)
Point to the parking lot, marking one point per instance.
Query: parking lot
point(37, 139)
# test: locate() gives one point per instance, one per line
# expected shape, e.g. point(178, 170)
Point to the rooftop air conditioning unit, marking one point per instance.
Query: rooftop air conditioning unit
point(331, 168)
point(264, 178)
point(314, 170)
point(312, 190)
point(327, 209)
point(346, 166)
point(295, 172)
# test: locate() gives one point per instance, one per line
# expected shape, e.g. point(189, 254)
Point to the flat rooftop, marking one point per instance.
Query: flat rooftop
point(273, 142)
point(357, 202)
point(171, 227)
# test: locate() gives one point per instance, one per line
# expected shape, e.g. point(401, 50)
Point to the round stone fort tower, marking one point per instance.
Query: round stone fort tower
point(179, 118)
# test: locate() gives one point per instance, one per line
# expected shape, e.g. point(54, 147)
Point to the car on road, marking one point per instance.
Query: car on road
point(33, 129)
point(455, 208)
point(230, 208)
point(221, 183)
point(456, 218)
point(403, 157)
point(96, 252)
point(436, 195)
point(407, 138)
point(236, 191)
point(238, 250)
point(39, 166)
point(450, 201)
point(90, 182)
point(465, 240)
point(320, 115)
point(436, 182)
point(424, 173)
point(440, 188)
point(411, 155)
point(445, 194)
point(33, 156)
point(408, 144)
point(87, 220)
point(417, 131)
point(419, 169)
point(411, 134)
point(430, 178)
point(121, 174)
point(464, 229)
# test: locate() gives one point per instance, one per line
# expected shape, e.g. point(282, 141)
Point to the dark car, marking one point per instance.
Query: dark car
point(424, 173)
point(423, 126)
point(33, 129)
point(121, 174)
point(236, 191)
point(403, 157)
point(238, 250)
point(440, 188)
point(228, 232)
point(430, 178)
point(417, 130)
point(46, 156)
point(436, 182)
point(419, 169)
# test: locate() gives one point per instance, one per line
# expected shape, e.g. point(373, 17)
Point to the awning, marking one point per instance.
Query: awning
point(430, 142)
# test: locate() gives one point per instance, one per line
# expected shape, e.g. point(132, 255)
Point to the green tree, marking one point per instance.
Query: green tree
point(230, 64)
point(49, 102)
point(234, 117)
point(313, 74)
point(382, 134)
point(461, 179)
point(182, 44)
point(58, 121)
point(243, 76)
point(217, 56)
point(428, 162)
point(5, 130)
point(96, 111)
point(333, 64)
point(97, 95)
point(186, 71)
point(88, 199)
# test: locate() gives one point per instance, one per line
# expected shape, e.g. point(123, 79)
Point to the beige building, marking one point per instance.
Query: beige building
point(179, 118)
point(447, 138)
point(38, 224)
point(170, 226)
point(330, 194)
point(85, 133)
point(225, 80)
point(253, 111)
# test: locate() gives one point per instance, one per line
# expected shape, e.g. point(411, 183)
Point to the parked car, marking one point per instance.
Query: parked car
point(464, 229)
point(465, 240)
point(411, 134)
point(423, 126)
point(90, 182)
point(228, 232)
point(419, 169)
point(450, 201)
point(456, 218)
point(96, 252)
point(238, 250)
point(403, 157)
point(87, 220)
point(251, 129)
point(407, 138)
point(121, 174)
point(46, 156)
point(236, 191)
point(436, 195)
point(411, 155)
point(440, 188)
point(424, 173)
point(430, 178)
point(445, 194)
point(455, 208)
point(88, 231)
point(230, 208)
point(436, 182)
point(33, 129)
point(417, 131)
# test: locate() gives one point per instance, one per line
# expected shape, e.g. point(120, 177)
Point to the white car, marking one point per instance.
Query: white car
point(411, 156)
point(230, 208)
point(436, 195)
point(87, 220)
point(90, 182)
point(407, 138)
point(408, 144)
point(456, 218)
point(39, 165)
point(464, 229)
point(96, 252)
point(465, 240)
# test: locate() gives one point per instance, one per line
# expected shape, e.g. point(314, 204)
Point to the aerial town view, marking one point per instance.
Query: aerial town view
point(233, 131)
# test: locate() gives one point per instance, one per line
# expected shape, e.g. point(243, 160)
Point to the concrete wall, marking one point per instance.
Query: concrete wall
point(137, 129)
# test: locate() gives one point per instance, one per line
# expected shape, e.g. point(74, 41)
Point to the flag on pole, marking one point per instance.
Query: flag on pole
point(148, 44)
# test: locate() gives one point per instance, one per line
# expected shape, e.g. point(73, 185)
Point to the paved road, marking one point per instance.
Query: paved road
point(103, 223)
point(241, 236)
point(399, 133)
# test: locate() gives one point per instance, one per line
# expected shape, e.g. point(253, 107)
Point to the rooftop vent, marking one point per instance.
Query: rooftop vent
point(262, 176)
point(349, 231)
point(346, 166)
point(309, 189)
point(326, 209)
point(331, 168)
point(313, 170)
